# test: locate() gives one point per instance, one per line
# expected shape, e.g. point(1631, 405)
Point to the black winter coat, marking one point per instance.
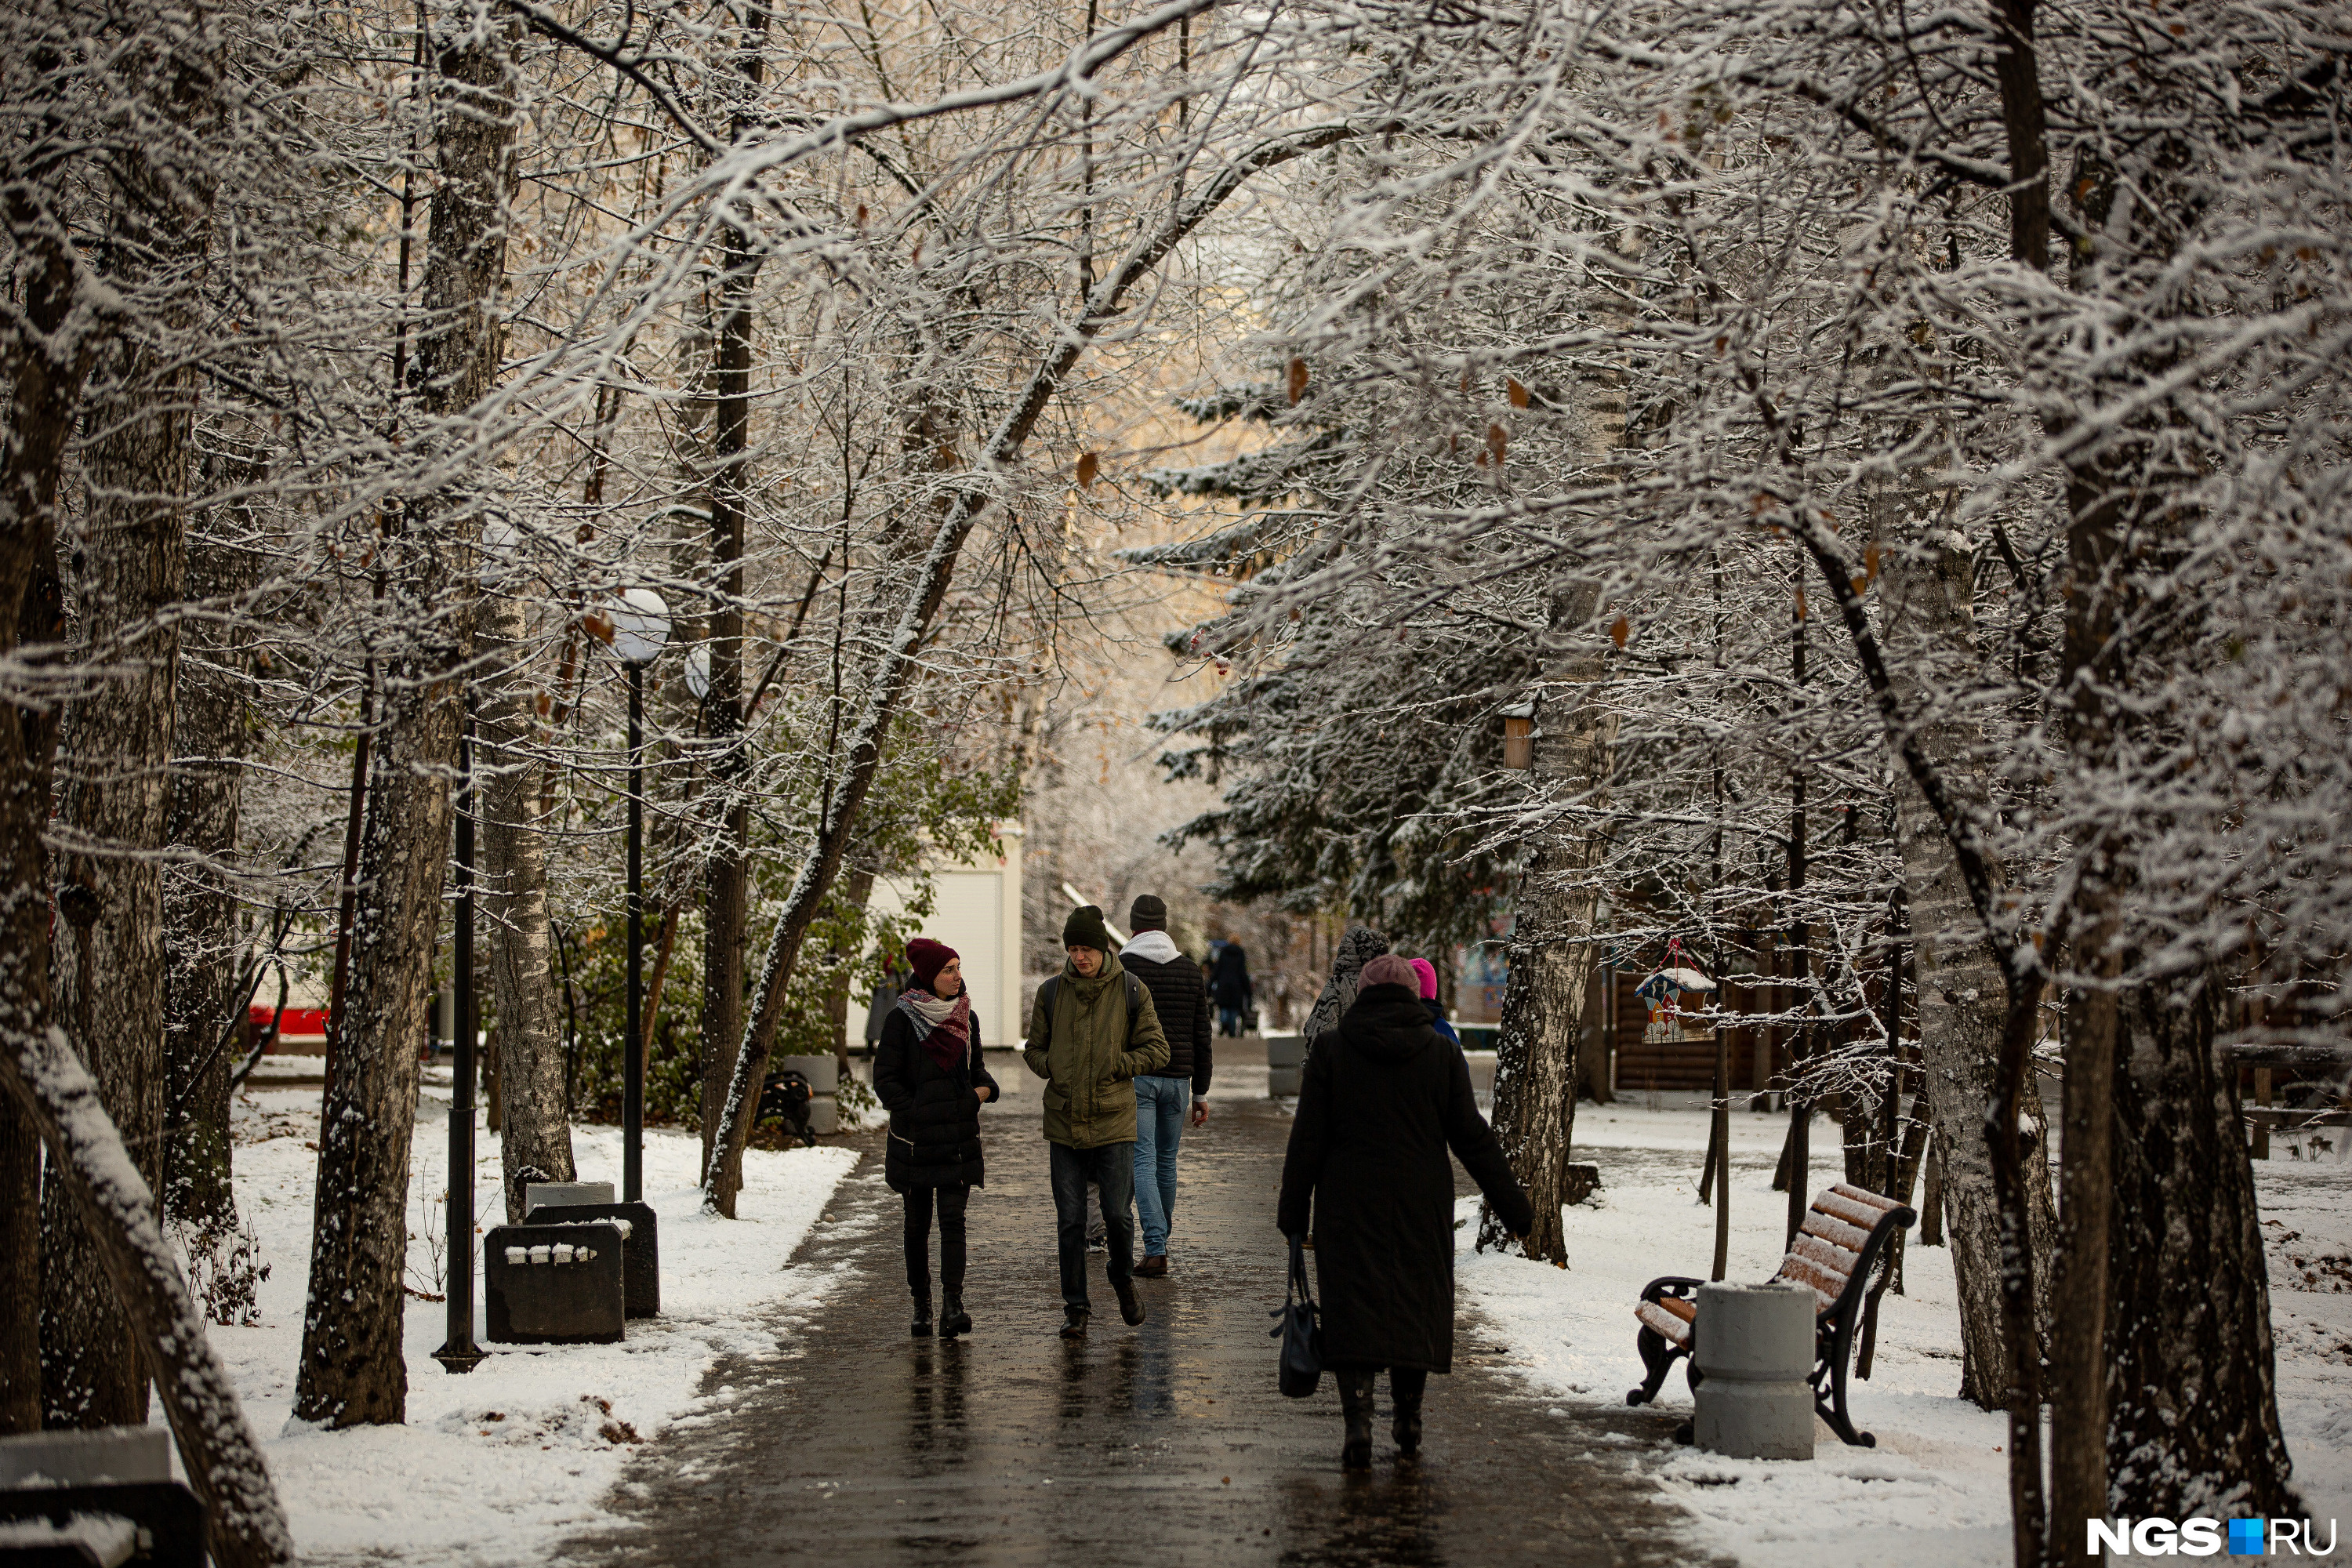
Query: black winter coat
point(1383, 1100)
point(1181, 999)
point(934, 1115)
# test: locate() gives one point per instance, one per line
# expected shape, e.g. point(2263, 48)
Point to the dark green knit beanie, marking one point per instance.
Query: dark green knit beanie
point(1085, 928)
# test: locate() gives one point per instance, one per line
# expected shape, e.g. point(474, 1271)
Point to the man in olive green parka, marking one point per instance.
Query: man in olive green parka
point(1092, 1031)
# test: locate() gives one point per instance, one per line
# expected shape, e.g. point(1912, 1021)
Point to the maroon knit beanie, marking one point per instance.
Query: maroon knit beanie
point(927, 958)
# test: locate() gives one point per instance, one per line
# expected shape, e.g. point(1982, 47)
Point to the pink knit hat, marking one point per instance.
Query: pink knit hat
point(1428, 972)
point(1387, 969)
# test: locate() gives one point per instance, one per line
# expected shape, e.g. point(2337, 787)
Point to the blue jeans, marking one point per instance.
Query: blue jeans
point(1228, 1020)
point(1111, 1168)
point(1160, 1104)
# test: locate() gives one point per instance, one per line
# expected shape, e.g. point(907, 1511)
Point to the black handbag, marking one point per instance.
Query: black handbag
point(1300, 1330)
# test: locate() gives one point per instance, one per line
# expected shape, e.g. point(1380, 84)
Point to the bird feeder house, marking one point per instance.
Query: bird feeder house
point(1519, 735)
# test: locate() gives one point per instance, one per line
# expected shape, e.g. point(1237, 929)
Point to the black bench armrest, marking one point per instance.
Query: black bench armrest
point(1670, 1285)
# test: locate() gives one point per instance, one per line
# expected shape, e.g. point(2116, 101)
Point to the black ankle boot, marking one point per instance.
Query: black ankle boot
point(1407, 1426)
point(921, 1327)
point(953, 1319)
point(1356, 1407)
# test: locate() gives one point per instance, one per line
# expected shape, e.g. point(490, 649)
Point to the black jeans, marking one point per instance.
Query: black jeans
point(950, 1202)
point(1110, 1167)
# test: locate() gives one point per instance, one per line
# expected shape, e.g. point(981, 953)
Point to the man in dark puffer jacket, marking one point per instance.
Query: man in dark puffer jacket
point(1161, 1098)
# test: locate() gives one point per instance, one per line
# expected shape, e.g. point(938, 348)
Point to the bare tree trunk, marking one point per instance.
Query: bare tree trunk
point(44, 389)
point(1960, 989)
point(2193, 1413)
point(536, 1133)
point(726, 877)
point(202, 1002)
point(1552, 955)
point(352, 1370)
point(113, 810)
point(244, 1526)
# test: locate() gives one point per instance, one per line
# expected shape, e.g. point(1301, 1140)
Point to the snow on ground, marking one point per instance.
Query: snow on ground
point(1934, 1492)
point(493, 1467)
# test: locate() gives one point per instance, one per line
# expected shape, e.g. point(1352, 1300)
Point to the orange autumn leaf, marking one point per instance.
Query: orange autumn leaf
point(597, 627)
point(1518, 393)
point(1618, 630)
point(1090, 465)
point(1498, 442)
point(1296, 383)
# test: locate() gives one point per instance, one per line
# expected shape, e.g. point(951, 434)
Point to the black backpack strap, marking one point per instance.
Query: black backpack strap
point(1045, 995)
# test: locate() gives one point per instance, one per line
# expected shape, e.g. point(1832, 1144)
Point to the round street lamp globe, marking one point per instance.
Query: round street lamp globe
point(640, 626)
point(698, 671)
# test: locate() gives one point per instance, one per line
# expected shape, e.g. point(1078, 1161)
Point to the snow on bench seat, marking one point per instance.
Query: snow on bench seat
point(1670, 1316)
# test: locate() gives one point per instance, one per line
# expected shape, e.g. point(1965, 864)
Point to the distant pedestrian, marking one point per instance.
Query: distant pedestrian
point(1384, 1101)
point(1164, 1096)
point(1229, 983)
point(1427, 973)
point(1357, 946)
point(929, 1072)
point(894, 980)
point(1091, 1033)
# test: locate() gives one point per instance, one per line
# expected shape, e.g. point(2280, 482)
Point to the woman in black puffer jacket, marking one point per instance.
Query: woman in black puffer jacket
point(927, 1071)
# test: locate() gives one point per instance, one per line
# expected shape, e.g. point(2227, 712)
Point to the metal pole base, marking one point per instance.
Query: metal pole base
point(457, 1358)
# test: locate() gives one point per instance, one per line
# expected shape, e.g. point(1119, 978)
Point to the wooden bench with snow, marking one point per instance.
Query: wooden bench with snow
point(1840, 1251)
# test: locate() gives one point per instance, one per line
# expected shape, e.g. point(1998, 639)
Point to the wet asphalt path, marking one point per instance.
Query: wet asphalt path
point(1161, 1445)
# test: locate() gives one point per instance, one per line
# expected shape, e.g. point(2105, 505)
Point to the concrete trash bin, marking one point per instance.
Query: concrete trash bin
point(1754, 1349)
point(1285, 1065)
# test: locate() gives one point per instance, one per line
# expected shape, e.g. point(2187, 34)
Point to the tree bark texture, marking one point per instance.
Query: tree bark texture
point(1961, 994)
point(352, 1370)
point(537, 1131)
point(727, 877)
point(127, 566)
point(203, 999)
point(1553, 955)
point(48, 364)
point(2192, 1395)
point(245, 1527)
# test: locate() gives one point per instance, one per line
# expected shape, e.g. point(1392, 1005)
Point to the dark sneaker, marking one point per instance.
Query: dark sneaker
point(1130, 1305)
point(1153, 1267)
point(1073, 1323)
point(1097, 1240)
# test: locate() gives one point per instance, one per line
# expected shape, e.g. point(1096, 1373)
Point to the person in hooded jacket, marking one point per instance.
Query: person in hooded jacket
point(1426, 972)
point(1358, 945)
point(1092, 1032)
point(1229, 984)
point(1384, 1101)
point(1178, 1087)
point(929, 1073)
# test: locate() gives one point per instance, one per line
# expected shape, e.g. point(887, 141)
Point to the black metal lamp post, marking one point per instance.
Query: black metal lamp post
point(460, 1354)
point(640, 629)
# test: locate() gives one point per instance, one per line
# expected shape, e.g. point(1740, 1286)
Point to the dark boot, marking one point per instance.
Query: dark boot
point(1356, 1407)
point(921, 1327)
point(953, 1319)
point(1405, 1390)
point(1130, 1305)
point(1074, 1322)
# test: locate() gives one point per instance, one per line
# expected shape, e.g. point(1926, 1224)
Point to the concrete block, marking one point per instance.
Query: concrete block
point(824, 1073)
point(640, 1229)
point(1283, 1082)
point(1286, 1051)
point(1755, 1349)
point(554, 1284)
point(1482, 1070)
point(824, 1113)
point(537, 1192)
point(97, 1458)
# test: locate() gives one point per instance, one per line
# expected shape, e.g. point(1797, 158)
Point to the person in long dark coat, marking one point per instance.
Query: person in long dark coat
point(1384, 1101)
point(929, 1073)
